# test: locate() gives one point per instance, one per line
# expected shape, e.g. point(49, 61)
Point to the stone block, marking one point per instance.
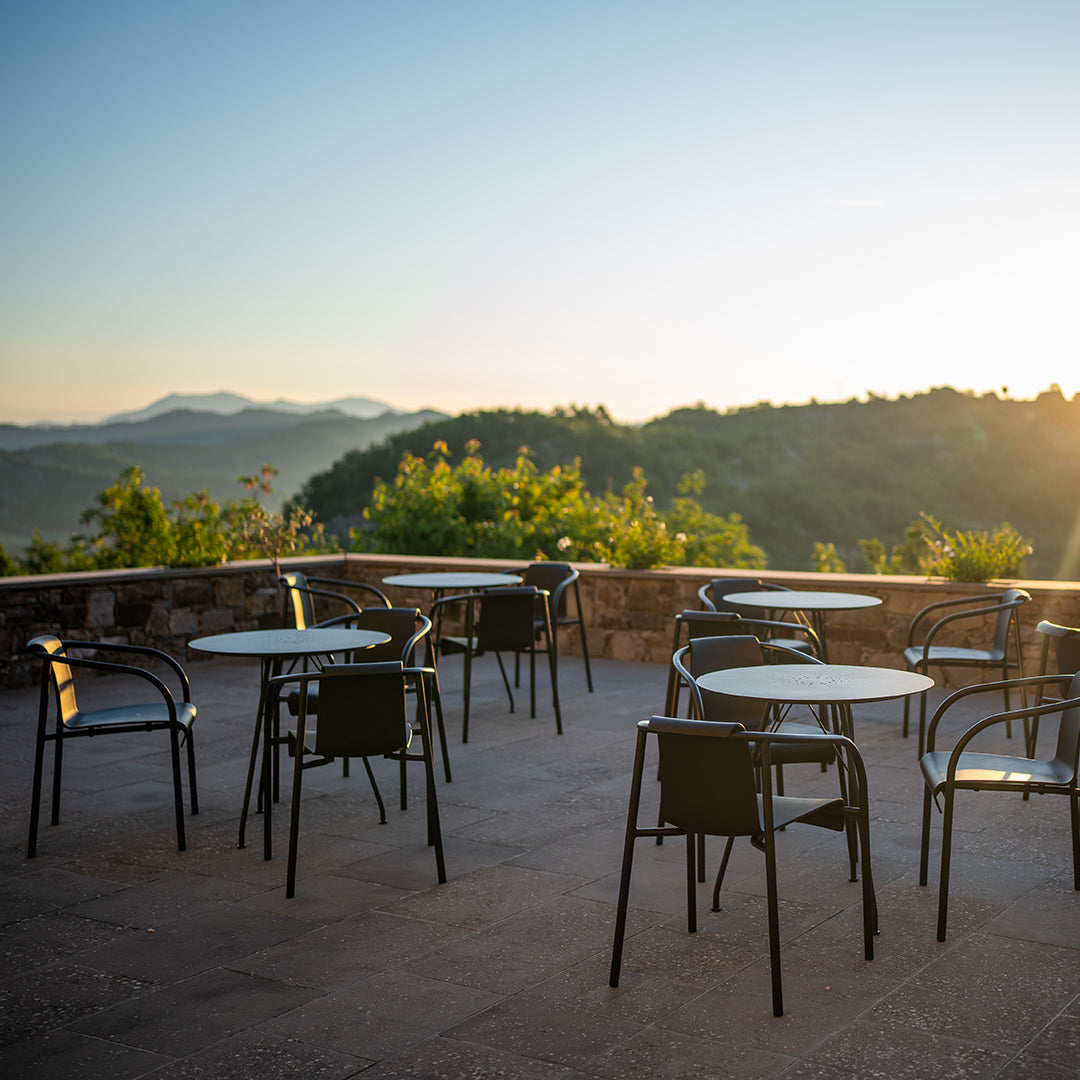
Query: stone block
point(183, 623)
point(102, 609)
point(218, 620)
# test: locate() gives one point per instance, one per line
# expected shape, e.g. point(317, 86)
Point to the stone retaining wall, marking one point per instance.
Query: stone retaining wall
point(628, 612)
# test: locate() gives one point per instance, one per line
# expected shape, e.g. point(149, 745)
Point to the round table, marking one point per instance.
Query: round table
point(841, 685)
point(816, 603)
point(273, 647)
point(441, 580)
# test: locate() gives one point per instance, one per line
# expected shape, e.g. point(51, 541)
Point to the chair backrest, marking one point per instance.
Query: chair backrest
point(707, 777)
point(1068, 742)
point(719, 587)
point(298, 606)
point(506, 622)
point(718, 654)
point(553, 577)
point(362, 710)
point(1014, 597)
point(1066, 641)
point(50, 650)
point(405, 626)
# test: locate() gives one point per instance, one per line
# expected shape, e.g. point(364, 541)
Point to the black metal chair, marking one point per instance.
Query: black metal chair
point(706, 654)
point(695, 624)
point(1066, 641)
point(945, 772)
point(298, 602)
point(923, 651)
point(362, 712)
point(709, 776)
point(557, 579)
point(407, 627)
point(498, 621)
point(177, 717)
point(712, 594)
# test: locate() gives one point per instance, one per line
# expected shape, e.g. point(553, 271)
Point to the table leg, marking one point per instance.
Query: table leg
point(264, 677)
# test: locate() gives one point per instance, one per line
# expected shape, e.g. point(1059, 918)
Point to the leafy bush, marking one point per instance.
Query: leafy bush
point(977, 556)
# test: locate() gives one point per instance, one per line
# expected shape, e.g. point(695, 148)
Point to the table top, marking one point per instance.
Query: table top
point(451, 579)
point(815, 684)
point(289, 642)
point(804, 600)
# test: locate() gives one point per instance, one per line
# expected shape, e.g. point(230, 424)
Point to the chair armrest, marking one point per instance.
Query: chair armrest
point(706, 600)
point(997, 687)
point(974, 613)
point(340, 584)
point(982, 607)
point(120, 669)
point(143, 650)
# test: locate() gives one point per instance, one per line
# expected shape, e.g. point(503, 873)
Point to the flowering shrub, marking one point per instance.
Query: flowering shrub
point(977, 556)
point(435, 508)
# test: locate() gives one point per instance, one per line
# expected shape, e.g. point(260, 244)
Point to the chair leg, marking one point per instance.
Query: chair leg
point(553, 666)
point(294, 819)
point(629, 837)
point(774, 924)
point(178, 787)
point(904, 729)
point(532, 680)
point(922, 722)
point(924, 843)
point(585, 654)
point(35, 798)
point(58, 769)
point(435, 698)
point(701, 856)
point(378, 794)
point(506, 681)
point(691, 881)
point(721, 872)
point(434, 826)
point(946, 853)
point(191, 771)
point(1074, 817)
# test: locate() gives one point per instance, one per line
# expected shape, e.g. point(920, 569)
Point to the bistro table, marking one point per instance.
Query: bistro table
point(838, 686)
point(438, 582)
point(816, 603)
point(816, 685)
point(273, 647)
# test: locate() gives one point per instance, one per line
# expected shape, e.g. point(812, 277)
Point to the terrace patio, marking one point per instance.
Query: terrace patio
point(124, 958)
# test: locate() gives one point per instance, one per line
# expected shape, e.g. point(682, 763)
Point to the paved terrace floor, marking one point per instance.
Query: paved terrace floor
point(123, 958)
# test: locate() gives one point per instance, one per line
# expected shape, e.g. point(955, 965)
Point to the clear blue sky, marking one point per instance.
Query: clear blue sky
point(470, 204)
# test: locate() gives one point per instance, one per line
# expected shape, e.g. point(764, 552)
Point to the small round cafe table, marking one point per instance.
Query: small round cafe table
point(273, 647)
point(816, 603)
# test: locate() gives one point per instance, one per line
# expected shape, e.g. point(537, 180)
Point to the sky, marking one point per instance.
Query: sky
point(463, 204)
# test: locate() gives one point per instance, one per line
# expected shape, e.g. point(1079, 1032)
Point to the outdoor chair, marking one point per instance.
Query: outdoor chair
point(925, 651)
point(712, 593)
point(1066, 640)
point(498, 621)
point(557, 579)
point(719, 654)
point(177, 717)
point(709, 777)
point(298, 603)
point(363, 712)
point(945, 772)
point(406, 627)
point(697, 624)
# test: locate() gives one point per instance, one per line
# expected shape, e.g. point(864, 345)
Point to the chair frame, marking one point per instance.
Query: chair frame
point(1066, 641)
point(301, 606)
point(1003, 765)
point(417, 677)
point(557, 607)
point(773, 813)
point(178, 731)
point(975, 607)
point(473, 644)
point(723, 623)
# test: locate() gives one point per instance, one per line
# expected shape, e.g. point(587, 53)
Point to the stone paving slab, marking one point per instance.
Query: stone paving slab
point(123, 958)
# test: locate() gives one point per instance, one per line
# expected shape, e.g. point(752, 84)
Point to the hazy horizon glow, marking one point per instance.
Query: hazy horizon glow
point(481, 204)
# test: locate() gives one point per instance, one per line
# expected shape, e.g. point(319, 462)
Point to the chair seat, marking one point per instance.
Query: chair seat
point(311, 733)
point(787, 810)
point(150, 713)
point(798, 644)
point(977, 771)
point(953, 655)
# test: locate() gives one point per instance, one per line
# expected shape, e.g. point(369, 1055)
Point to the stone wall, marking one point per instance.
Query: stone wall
point(628, 613)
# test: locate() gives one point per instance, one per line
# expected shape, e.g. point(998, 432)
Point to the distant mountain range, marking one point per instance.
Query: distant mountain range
point(182, 443)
